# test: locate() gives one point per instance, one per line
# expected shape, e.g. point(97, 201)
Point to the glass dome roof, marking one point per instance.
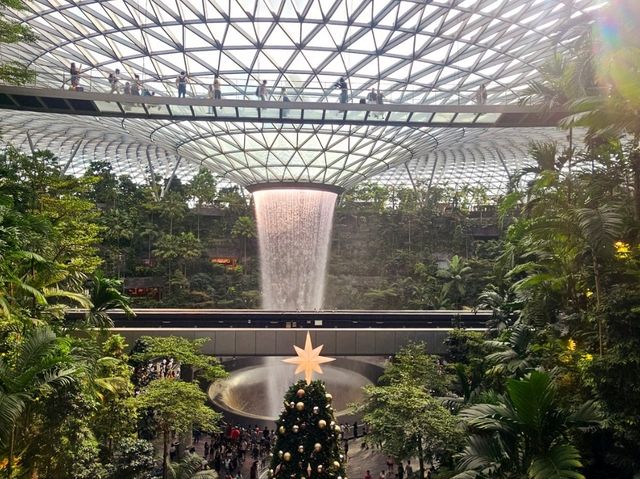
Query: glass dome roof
point(436, 52)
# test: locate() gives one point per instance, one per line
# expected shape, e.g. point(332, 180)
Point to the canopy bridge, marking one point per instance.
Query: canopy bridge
point(98, 104)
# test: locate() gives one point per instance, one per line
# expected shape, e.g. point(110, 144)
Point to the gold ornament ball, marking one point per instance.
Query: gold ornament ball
point(337, 429)
point(300, 448)
point(336, 464)
point(332, 423)
point(300, 406)
point(287, 456)
point(295, 428)
point(280, 453)
point(281, 430)
point(317, 447)
point(300, 393)
point(319, 467)
point(329, 397)
point(322, 423)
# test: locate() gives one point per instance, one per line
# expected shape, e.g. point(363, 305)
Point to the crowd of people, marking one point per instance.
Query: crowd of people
point(135, 87)
point(228, 451)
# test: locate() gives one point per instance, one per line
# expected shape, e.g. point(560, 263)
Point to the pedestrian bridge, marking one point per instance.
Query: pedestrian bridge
point(273, 333)
point(280, 341)
point(50, 100)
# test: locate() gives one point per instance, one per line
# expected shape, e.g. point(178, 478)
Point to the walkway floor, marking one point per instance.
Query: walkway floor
point(359, 460)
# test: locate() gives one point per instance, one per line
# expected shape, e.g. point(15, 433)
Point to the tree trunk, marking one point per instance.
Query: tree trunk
point(165, 454)
point(12, 439)
point(421, 457)
point(596, 277)
point(245, 254)
point(569, 164)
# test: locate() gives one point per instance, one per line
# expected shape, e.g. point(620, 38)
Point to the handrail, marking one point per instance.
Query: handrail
point(326, 94)
point(156, 100)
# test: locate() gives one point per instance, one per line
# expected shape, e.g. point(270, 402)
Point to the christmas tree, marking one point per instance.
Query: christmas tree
point(308, 436)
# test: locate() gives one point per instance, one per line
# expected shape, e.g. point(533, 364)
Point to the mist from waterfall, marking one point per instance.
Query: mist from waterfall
point(294, 234)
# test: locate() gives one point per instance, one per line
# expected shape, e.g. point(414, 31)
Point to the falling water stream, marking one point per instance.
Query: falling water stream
point(294, 232)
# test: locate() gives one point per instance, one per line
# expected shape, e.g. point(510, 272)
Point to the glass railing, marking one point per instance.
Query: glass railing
point(330, 93)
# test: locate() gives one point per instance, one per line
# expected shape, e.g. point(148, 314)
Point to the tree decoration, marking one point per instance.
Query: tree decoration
point(300, 393)
point(300, 406)
point(308, 360)
point(313, 451)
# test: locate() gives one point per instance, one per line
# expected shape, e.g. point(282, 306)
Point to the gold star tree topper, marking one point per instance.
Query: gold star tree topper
point(309, 359)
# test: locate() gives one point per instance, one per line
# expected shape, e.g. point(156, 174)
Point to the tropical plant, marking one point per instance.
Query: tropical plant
point(176, 407)
point(405, 421)
point(41, 363)
point(190, 467)
point(525, 434)
point(182, 350)
point(14, 32)
point(244, 228)
point(202, 188)
point(455, 276)
point(106, 294)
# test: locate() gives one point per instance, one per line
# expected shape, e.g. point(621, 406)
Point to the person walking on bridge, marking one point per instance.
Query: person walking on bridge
point(182, 81)
point(344, 90)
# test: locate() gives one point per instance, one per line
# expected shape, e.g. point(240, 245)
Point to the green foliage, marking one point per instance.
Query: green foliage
point(14, 32)
point(106, 294)
point(190, 468)
point(412, 365)
point(202, 187)
point(185, 351)
point(132, 459)
point(405, 420)
point(40, 363)
point(525, 435)
point(300, 430)
point(177, 407)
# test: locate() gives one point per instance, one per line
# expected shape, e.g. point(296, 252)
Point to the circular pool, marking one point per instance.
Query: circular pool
point(257, 391)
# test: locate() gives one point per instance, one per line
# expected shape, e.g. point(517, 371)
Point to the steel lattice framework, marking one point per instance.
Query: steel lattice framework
point(434, 52)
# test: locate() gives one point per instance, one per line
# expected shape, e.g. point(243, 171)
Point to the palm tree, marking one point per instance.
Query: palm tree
point(600, 226)
point(41, 365)
point(106, 294)
point(173, 207)
point(190, 468)
point(245, 228)
point(202, 188)
point(456, 276)
point(525, 434)
point(513, 356)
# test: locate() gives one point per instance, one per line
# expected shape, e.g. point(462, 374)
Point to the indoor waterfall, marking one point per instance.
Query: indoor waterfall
point(294, 233)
